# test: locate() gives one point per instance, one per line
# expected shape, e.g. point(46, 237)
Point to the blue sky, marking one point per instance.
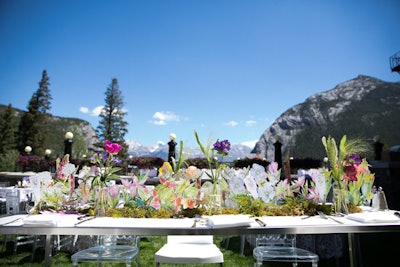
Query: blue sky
point(226, 68)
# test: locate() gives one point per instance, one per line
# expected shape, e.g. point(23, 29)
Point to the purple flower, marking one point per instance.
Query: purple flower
point(116, 160)
point(353, 159)
point(356, 158)
point(222, 147)
point(104, 156)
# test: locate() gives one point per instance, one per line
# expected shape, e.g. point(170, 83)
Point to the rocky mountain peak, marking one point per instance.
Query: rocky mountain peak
point(320, 113)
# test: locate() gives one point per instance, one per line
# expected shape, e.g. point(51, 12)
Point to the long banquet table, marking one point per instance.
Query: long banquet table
point(51, 225)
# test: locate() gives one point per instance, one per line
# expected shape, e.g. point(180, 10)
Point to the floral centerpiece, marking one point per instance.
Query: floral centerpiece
point(101, 173)
point(351, 177)
point(178, 190)
point(214, 189)
point(185, 190)
point(56, 193)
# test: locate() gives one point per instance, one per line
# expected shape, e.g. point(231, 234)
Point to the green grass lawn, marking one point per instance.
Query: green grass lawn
point(148, 247)
point(376, 249)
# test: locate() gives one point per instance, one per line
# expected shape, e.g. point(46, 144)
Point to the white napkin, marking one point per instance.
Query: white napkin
point(50, 220)
point(374, 217)
point(220, 221)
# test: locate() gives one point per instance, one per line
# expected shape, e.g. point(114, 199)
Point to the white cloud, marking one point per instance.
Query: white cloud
point(94, 112)
point(250, 144)
point(231, 123)
point(162, 118)
point(84, 110)
point(250, 122)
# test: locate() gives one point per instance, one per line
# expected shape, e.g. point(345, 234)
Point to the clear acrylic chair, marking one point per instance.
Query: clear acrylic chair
point(110, 248)
point(189, 249)
point(281, 248)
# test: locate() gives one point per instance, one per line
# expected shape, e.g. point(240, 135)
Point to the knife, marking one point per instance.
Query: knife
point(261, 223)
point(84, 220)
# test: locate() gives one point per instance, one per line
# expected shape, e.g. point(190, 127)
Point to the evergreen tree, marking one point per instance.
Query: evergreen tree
point(112, 125)
point(8, 152)
point(32, 127)
point(8, 130)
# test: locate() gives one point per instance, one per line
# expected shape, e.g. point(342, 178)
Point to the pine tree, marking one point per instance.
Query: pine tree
point(32, 127)
point(112, 125)
point(8, 130)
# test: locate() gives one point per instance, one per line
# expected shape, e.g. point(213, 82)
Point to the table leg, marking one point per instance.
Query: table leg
point(47, 251)
point(352, 249)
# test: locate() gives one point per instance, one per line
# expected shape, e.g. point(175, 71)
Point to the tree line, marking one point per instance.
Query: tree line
point(32, 129)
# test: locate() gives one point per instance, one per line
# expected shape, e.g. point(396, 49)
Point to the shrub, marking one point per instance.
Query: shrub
point(246, 162)
point(8, 160)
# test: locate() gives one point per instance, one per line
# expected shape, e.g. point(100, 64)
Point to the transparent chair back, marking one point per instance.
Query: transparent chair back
point(281, 248)
point(122, 248)
point(276, 240)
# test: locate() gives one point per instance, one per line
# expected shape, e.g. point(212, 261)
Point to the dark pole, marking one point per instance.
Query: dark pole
point(47, 154)
point(28, 150)
point(378, 147)
point(172, 145)
point(278, 153)
point(68, 144)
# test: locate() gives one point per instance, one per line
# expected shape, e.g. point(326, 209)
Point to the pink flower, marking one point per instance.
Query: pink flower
point(273, 167)
point(351, 172)
point(136, 183)
point(191, 171)
point(178, 203)
point(190, 203)
point(112, 148)
point(126, 183)
point(361, 169)
point(113, 191)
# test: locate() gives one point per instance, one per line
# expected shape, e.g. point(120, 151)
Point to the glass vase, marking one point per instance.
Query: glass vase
point(214, 204)
point(100, 202)
point(340, 198)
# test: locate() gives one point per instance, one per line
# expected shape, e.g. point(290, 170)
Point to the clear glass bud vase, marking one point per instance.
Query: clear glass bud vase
point(340, 198)
point(215, 200)
point(100, 202)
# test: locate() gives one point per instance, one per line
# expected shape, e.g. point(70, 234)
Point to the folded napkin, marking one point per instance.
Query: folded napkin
point(42, 220)
point(374, 217)
point(221, 221)
point(50, 220)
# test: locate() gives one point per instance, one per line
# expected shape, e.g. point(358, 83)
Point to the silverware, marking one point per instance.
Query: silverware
point(84, 220)
point(261, 223)
point(326, 217)
point(13, 221)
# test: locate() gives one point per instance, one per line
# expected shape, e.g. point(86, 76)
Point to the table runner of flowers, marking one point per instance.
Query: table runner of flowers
point(346, 181)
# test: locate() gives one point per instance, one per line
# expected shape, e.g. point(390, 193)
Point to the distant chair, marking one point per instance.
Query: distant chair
point(189, 249)
point(116, 249)
point(281, 248)
point(20, 240)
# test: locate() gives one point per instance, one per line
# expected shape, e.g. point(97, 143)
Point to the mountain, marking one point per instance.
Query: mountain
point(84, 134)
point(85, 137)
point(160, 149)
point(363, 107)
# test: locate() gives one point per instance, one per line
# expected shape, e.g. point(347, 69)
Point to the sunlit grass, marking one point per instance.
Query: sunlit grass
point(148, 247)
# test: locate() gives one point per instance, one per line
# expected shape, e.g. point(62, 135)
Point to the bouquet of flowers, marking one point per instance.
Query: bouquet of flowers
point(352, 179)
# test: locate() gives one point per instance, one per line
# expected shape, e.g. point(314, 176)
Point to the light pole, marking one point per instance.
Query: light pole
point(47, 153)
point(68, 144)
point(326, 162)
point(28, 150)
point(172, 145)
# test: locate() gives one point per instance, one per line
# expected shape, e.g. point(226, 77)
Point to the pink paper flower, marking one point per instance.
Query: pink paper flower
point(112, 148)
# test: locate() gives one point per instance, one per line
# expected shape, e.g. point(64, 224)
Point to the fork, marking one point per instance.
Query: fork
point(326, 217)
